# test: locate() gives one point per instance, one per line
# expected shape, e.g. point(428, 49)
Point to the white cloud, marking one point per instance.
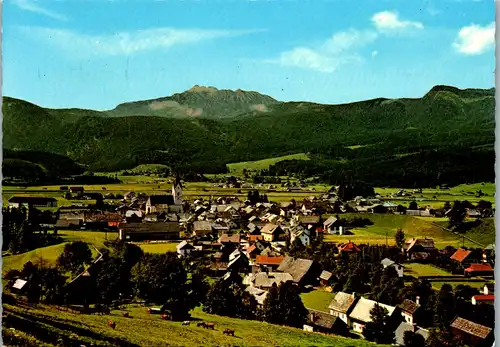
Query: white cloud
point(338, 50)
point(389, 21)
point(475, 39)
point(126, 42)
point(374, 54)
point(32, 6)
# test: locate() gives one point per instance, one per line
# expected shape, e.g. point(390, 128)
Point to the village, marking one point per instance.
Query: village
point(264, 243)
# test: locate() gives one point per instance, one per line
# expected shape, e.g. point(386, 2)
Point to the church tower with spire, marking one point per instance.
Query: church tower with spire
point(177, 190)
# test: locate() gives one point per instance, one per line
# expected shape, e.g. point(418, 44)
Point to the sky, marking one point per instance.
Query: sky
point(97, 54)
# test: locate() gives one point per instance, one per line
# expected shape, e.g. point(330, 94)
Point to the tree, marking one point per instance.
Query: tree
point(162, 279)
point(412, 339)
point(457, 214)
point(229, 298)
point(379, 329)
point(444, 309)
point(283, 305)
point(413, 205)
point(271, 306)
point(443, 338)
point(400, 238)
point(485, 207)
point(52, 285)
point(74, 256)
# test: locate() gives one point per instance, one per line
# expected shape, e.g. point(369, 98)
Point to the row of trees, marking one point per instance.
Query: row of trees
point(282, 305)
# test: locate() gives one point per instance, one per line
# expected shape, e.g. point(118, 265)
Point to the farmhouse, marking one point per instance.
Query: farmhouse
point(272, 232)
point(472, 334)
point(389, 263)
point(404, 327)
point(265, 280)
point(324, 277)
point(483, 299)
point(202, 228)
point(159, 203)
point(325, 323)
point(342, 305)
point(184, 248)
point(348, 248)
point(149, 231)
point(420, 249)
point(333, 225)
point(408, 309)
point(263, 262)
point(479, 270)
point(465, 257)
point(302, 270)
point(31, 201)
point(360, 315)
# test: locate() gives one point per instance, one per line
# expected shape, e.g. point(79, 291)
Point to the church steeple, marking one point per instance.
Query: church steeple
point(177, 190)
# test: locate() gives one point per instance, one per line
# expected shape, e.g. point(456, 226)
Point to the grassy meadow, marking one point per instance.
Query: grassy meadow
point(386, 225)
point(237, 168)
point(143, 329)
point(317, 299)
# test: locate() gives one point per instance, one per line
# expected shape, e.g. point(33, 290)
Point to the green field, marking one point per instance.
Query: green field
point(237, 168)
point(49, 255)
point(143, 329)
point(317, 299)
point(386, 225)
point(158, 247)
point(436, 197)
point(418, 270)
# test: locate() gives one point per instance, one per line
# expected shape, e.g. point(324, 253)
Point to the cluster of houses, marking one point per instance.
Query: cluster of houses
point(247, 239)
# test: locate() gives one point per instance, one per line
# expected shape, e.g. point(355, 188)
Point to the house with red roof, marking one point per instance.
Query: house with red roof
point(267, 262)
point(253, 251)
point(479, 270)
point(483, 299)
point(465, 257)
point(348, 248)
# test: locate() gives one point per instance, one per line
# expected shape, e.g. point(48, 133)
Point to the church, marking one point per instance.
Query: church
point(167, 203)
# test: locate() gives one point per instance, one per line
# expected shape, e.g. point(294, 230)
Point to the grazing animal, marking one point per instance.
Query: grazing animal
point(111, 324)
point(228, 332)
point(202, 324)
point(210, 326)
point(186, 322)
point(126, 315)
point(164, 316)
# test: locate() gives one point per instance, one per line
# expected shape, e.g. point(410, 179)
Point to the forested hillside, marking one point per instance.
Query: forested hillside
point(428, 140)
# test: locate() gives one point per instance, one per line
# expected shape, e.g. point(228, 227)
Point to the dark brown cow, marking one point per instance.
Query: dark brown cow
point(126, 315)
point(201, 324)
point(228, 332)
point(164, 316)
point(210, 326)
point(111, 324)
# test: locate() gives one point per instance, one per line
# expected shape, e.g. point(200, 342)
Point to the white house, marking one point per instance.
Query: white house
point(361, 315)
point(184, 248)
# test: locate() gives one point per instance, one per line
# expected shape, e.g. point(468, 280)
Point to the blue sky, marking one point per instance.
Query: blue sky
point(97, 54)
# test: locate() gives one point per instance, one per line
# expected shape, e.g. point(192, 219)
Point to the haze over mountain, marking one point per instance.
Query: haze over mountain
point(205, 128)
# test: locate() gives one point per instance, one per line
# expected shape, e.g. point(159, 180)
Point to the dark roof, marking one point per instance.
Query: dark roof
point(425, 244)
point(460, 255)
point(225, 238)
point(409, 306)
point(202, 225)
point(321, 319)
point(161, 200)
point(31, 199)
point(342, 302)
point(158, 227)
point(298, 268)
point(309, 219)
point(404, 327)
point(471, 328)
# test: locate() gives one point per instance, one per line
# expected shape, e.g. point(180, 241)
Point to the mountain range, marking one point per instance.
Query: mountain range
point(203, 128)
